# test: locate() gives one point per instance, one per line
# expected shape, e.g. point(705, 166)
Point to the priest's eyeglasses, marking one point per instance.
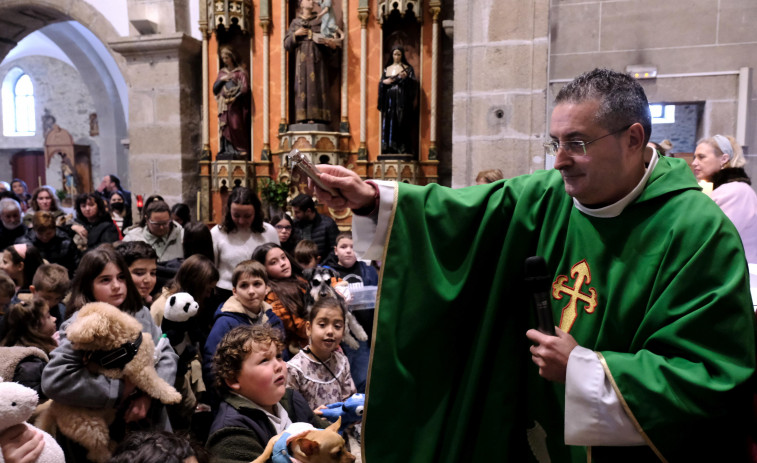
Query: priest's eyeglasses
point(575, 147)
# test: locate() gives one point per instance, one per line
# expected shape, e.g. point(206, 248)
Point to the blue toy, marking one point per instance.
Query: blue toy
point(351, 411)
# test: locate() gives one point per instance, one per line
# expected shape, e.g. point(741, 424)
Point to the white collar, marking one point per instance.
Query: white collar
point(615, 209)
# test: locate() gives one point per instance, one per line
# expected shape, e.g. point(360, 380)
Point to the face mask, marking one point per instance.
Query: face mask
point(118, 207)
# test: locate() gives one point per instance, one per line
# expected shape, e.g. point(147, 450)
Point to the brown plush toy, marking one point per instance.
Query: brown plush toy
point(112, 337)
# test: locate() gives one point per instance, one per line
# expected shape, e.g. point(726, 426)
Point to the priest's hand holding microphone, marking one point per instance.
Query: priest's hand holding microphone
point(552, 345)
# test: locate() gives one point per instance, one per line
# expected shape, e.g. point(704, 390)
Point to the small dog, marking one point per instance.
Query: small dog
point(319, 279)
point(302, 443)
point(108, 336)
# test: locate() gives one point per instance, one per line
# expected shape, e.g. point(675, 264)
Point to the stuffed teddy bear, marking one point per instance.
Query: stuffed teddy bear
point(177, 326)
point(116, 347)
point(17, 403)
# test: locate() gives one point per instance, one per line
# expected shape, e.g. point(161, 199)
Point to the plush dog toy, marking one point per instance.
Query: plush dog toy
point(350, 411)
point(302, 443)
point(319, 279)
point(179, 309)
point(117, 348)
point(17, 403)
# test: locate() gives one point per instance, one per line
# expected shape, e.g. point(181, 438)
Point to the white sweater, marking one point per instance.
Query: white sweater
point(232, 248)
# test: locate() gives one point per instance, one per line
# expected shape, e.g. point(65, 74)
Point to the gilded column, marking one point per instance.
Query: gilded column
point(283, 81)
point(363, 16)
point(435, 8)
point(344, 126)
point(205, 104)
point(266, 153)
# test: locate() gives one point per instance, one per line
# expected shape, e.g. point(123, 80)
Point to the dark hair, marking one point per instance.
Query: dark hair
point(114, 178)
point(102, 211)
point(326, 303)
point(290, 291)
point(147, 202)
point(198, 240)
point(20, 326)
point(289, 244)
point(157, 205)
point(622, 100)
point(236, 346)
point(23, 184)
point(53, 204)
point(132, 251)
point(152, 447)
point(243, 196)
point(181, 211)
point(303, 202)
point(91, 265)
point(194, 274)
point(32, 261)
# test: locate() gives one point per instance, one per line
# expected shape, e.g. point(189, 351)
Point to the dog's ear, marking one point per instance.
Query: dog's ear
point(86, 329)
point(308, 273)
point(335, 426)
point(307, 446)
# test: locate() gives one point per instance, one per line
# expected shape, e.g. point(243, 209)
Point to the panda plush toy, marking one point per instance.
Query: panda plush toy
point(178, 324)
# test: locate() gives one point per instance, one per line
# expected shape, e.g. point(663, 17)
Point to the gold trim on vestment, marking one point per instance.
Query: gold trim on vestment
point(375, 319)
point(628, 410)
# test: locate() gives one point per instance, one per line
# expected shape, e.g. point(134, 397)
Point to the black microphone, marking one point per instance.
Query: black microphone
point(538, 283)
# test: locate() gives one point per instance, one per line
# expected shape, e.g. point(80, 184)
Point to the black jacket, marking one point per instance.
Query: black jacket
point(322, 230)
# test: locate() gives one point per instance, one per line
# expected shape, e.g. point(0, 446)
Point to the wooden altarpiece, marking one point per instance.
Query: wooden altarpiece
point(256, 30)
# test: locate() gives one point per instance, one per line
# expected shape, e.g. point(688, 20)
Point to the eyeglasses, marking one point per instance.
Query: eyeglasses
point(284, 227)
point(159, 224)
point(575, 147)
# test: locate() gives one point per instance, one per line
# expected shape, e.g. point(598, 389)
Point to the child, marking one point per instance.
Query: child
point(103, 276)
point(250, 376)
point(152, 447)
point(26, 335)
point(51, 284)
point(287, 293)
point(55, 246)
point(143, 266)
point(344, 262)
point(20, 261)
point(306, 254)
point(320, 371)
point(246, 306)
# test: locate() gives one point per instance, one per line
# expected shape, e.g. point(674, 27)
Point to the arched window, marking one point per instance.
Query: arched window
point(18, 104)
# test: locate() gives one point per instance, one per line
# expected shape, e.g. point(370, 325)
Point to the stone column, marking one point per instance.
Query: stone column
point(165, 127)
point(501, 69)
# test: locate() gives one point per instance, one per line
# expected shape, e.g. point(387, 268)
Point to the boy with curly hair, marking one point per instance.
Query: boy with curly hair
point(250, 377)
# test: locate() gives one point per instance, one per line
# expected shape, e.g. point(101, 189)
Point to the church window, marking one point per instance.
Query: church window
point(18, 104)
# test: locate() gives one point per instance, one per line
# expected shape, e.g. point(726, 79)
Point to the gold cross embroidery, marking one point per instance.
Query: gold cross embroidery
point(582, 274)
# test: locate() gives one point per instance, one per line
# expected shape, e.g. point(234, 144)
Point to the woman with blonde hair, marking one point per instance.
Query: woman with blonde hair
point(720, 161)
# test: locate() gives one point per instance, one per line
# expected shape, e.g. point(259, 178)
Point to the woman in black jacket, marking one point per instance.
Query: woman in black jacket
point(93, 221)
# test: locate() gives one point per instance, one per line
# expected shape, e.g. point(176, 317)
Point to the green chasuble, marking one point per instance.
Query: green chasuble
point(660, 292)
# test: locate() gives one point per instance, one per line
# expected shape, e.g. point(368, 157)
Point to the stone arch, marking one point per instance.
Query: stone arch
point(107, 83)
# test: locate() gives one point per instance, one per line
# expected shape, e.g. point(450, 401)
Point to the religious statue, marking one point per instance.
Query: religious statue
point(329, 29)
point(396, 101)
point(232, 91)
point(311, 84)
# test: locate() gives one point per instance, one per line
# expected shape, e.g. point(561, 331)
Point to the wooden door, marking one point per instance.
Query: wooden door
point(29, 166)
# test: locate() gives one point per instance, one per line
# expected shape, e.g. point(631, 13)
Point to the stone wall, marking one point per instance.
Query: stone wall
point(59, 88)
point(500, 79)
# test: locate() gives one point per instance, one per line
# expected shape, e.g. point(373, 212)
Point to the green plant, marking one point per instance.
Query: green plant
point(61, 194)
point(275, 193)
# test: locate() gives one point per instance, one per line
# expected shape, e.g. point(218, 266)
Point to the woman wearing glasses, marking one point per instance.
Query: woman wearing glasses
point(287, 233)
point(93, 222)
point(159, 231)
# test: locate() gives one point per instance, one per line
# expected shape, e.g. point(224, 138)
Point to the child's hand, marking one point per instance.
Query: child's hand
point(137, 409)
point(21, 444)
point(318, 411)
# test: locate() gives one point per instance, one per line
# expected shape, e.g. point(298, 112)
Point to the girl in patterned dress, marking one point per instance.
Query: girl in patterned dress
point(321, 371)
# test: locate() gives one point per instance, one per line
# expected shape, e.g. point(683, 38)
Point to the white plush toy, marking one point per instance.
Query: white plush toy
point(180, 307)
point(17, 403)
